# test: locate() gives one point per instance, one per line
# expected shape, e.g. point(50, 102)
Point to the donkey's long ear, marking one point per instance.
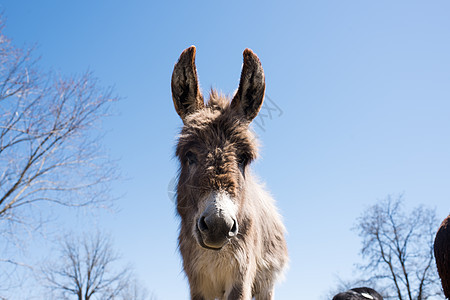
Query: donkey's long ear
point(250, 94)
point(186, 94)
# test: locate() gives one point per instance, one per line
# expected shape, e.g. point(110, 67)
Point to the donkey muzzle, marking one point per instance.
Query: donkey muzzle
point(217, 224)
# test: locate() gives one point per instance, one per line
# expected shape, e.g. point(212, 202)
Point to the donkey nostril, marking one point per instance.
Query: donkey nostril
point(233, 230)
point(202, 225)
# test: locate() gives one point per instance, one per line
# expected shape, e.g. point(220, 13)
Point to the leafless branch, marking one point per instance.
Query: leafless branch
point(49, 151)
point(88, 269)
point(398, 249)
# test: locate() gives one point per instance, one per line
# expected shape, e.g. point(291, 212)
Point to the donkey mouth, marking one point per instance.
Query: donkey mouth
point(207, 243)
point(201, 243)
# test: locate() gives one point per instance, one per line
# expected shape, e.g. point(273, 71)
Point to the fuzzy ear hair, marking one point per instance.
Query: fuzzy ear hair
point(186, 94)
point(250, 94)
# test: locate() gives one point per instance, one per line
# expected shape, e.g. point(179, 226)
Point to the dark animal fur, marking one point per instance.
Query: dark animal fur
point(442, 255)
point(362, 293)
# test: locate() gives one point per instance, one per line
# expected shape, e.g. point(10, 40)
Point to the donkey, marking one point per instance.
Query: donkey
point(231, 236)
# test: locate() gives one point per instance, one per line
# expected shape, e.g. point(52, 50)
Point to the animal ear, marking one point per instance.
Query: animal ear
point(250, 94)
point(186, 94)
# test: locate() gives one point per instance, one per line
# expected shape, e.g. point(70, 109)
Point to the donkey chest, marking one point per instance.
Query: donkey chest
point(217, 272)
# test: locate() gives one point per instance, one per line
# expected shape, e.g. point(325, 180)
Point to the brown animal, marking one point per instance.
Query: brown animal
point(442, 254)
point(231, 236)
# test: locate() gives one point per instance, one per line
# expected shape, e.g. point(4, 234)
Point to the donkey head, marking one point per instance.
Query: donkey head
point(214, 148)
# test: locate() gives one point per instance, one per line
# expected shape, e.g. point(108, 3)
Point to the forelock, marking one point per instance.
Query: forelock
point(217, 122)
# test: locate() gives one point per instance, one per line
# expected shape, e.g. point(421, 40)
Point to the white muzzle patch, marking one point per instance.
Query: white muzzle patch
point(221, 205)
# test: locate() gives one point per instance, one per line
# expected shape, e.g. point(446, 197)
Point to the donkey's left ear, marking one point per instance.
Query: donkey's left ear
point(250, 94)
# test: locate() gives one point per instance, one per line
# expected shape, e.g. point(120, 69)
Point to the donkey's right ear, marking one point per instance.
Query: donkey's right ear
point(186, 94)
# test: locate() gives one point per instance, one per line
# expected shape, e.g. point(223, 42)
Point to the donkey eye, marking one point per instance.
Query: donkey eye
point(191, 158)
point(242, 160)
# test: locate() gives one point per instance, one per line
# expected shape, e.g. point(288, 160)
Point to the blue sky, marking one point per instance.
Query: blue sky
point(365, 97)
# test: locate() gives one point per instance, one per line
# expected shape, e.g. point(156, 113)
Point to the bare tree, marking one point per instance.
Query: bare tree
point(48, 149)
point(397, 247)
point(49, 154)
point(135, 291)
point(87, 269)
